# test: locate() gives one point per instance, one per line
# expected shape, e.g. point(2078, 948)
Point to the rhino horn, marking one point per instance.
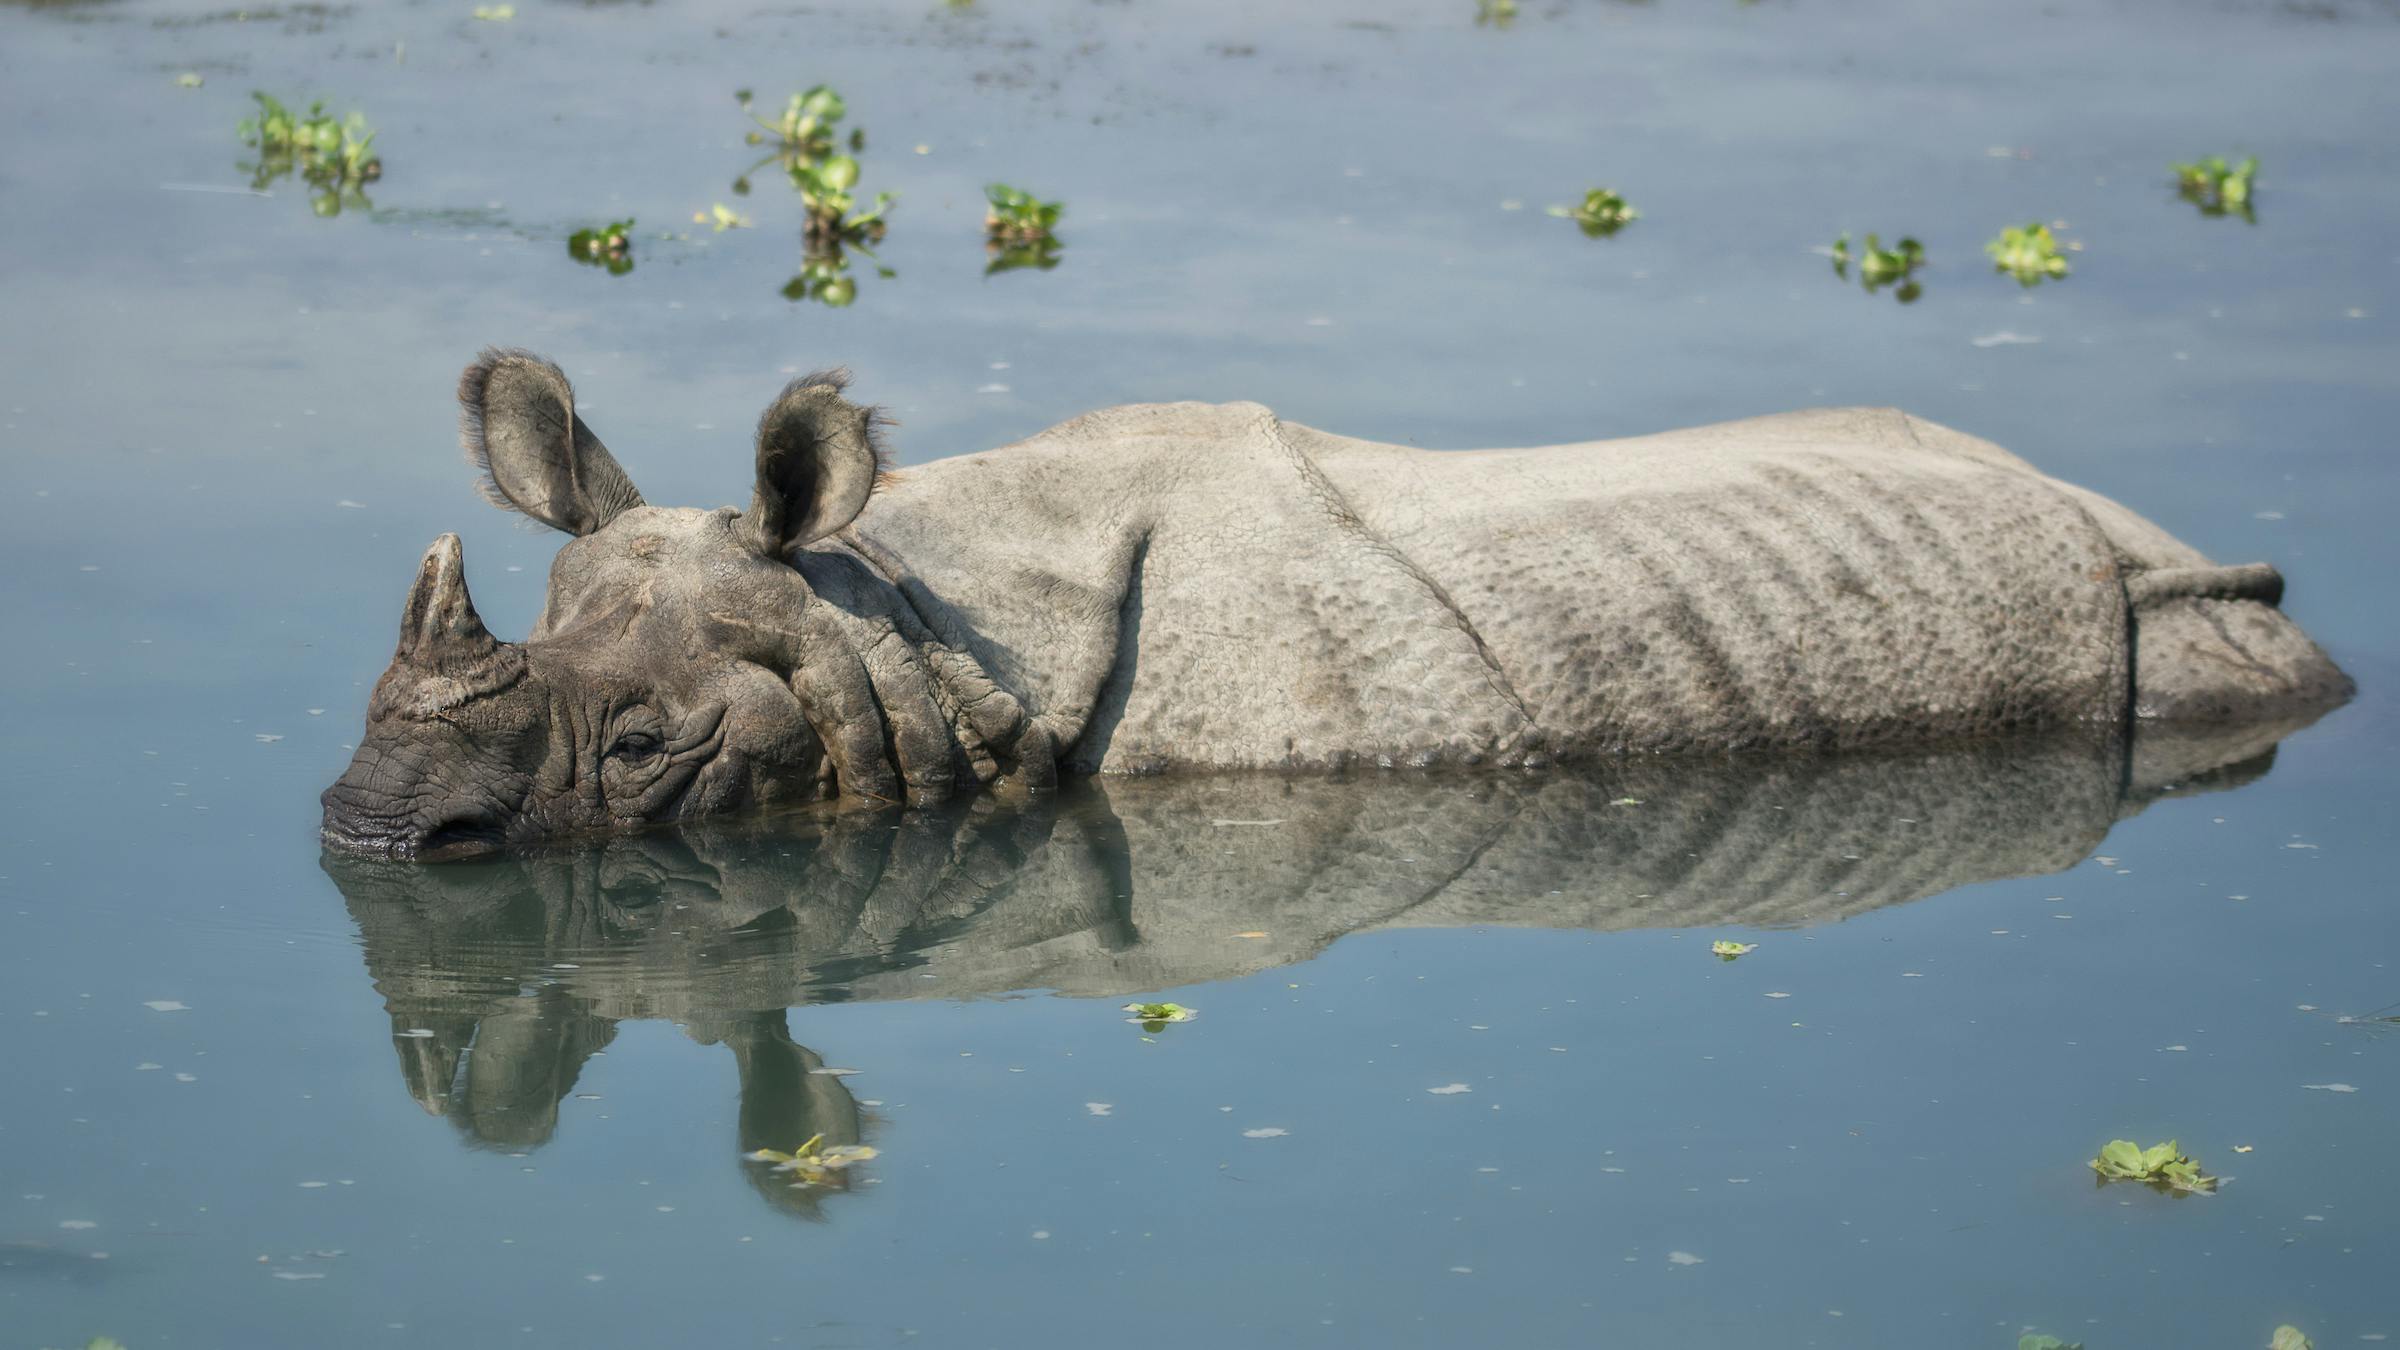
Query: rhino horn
point(439, 629)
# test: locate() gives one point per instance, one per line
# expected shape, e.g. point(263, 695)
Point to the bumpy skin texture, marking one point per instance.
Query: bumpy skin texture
point(1195, 587)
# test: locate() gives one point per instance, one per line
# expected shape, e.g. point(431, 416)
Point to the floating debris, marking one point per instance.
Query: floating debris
point(1449, 1089)
point(1731, 951)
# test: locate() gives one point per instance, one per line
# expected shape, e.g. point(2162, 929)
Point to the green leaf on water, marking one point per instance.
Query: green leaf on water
point(1154, 1017)
point(2218, 188)
point(2288, 1337)
point(2037, 1341)
point(495, 13)
point(1732, 951)
point(2161, 1165)
point(2028, 252)
point(1601, 213)
point(814, 1163)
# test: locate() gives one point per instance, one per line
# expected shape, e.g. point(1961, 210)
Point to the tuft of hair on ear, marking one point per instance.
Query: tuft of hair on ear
point(879, 420)
point(473, 386)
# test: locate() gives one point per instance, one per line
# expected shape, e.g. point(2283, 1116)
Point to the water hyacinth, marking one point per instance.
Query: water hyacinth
point(1601, 213)
point(1018, 229)
point(2217, 187)
point(336, 159)
point(1154, 1017)
point(607, 246)
point(1879, 266)
point(2161, 1165)
point(814, 1163)
point(2028, 252)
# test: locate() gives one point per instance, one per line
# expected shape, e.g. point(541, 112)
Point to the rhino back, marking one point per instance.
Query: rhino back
point(1176, 586)
point(1822, 579)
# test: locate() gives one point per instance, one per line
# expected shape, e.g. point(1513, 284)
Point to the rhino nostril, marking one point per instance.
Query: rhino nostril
point(462, 837)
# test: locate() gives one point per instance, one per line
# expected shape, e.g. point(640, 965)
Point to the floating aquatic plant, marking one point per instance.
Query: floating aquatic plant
point(1018, 229)
point(2028, 252)
point(833, 214)
point(1602, 213)
point(2036, 1341)
point(2289, 1337)
point(814, 1163)
point(1154, 1017)
point(495, 13)
point(609, 246)
point(1732, 951)
point(1495, 13)
point(2160, 1165)
point(335, 158)
point(2217, 187)
point(721, 218)
point(824, 276)
point(809, 124)
point(1879, 266)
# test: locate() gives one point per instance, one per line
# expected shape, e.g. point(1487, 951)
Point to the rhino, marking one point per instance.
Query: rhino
point(1191, 587)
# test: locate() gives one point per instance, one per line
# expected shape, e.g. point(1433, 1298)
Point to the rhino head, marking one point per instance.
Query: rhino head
point(686, 661)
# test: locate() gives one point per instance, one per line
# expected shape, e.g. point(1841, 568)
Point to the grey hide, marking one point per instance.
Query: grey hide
point(1200, 587)
point(1120, 887)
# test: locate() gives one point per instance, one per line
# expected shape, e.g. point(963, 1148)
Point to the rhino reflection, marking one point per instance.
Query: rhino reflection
point(503, 976)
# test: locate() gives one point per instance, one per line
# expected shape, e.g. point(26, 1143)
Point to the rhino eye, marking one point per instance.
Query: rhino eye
point(635, 746)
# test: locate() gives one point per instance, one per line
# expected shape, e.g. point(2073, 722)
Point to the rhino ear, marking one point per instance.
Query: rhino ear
point(819, 458)
point(517, 421)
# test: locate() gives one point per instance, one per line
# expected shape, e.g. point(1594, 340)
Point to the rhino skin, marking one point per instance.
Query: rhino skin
point(1115, 888)
point(1177, 587)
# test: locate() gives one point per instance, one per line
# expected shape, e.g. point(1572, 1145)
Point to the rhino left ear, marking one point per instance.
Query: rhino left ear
point(819, 459)
point(517, 421)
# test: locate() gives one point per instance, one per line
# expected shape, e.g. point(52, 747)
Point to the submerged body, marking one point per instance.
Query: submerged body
point(1185, 586)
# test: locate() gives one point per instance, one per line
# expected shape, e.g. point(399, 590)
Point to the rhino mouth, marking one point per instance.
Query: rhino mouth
point(451, 837)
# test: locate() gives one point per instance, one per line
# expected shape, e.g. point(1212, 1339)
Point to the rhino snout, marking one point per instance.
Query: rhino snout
point(362, 817)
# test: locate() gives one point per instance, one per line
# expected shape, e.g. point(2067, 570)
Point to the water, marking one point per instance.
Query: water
point(227, 431)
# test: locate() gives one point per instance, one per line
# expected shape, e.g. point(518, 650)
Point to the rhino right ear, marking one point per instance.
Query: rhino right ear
point(819, 458)
point(518, 425)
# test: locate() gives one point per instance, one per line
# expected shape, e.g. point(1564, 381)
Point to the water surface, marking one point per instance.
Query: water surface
point(1464, 1070)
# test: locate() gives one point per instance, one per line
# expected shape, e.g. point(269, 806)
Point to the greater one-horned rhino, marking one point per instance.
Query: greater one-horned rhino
point(1198, 587)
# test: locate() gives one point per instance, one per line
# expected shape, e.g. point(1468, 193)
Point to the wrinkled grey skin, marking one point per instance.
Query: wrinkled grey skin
point(1116, 888)
point(1184, 586)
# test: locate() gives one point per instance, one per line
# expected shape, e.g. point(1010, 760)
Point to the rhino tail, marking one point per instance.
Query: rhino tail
point(2211, 645)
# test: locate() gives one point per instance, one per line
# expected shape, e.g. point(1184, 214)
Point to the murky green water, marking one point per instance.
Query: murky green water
point(1463, 1070)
